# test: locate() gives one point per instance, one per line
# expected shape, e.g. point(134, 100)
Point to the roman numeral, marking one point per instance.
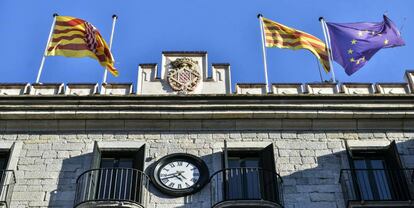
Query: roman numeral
point(179, 163)
point(187, 185)
point(187, 164)
point(171, 185)
point(164, 181)
point(172, 165)
point(168, 170)
point(179, 186)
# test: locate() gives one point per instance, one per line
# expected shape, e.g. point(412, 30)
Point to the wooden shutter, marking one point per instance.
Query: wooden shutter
point(138, 178)
point(8, 159)
point(349, 156)
point(139, 158)
point(93, 175)
point(397, 175)
point(353, 185)
point(269, 185)
point(394, 157)
point(225, 155)
point(96, 156)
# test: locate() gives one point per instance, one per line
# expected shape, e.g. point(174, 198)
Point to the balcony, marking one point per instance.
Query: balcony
point(246, 187)
point(112, 187)
point(377, 188)
point(7, 182)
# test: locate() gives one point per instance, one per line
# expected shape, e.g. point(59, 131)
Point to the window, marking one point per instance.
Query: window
point(250, 174)
point(119, 177)
point(116, 174)
point(8, 160)
point(378, 174)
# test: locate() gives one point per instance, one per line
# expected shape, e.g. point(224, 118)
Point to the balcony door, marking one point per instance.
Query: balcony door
point(243, 176)
point(379, 174)
point(119, 175)
point(251, 175)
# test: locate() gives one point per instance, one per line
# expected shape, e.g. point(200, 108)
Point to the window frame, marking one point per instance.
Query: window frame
point(131, 149)
point(397, 182)
point(259, 153)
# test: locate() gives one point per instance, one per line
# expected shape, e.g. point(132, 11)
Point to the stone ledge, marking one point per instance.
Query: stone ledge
point(171, 125)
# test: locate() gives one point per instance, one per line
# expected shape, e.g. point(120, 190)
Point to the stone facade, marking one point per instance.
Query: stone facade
point(51, 131)
point(308, 161)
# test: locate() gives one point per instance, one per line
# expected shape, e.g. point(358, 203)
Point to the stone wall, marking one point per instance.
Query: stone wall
point(308, 161)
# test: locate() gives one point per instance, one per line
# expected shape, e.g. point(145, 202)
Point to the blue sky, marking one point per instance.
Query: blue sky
point(227, 29)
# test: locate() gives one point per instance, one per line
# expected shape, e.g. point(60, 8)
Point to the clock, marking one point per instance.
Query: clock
point(180, 174)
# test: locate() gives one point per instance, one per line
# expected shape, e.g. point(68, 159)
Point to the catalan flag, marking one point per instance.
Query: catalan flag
point(281, 36)
point(74, 37)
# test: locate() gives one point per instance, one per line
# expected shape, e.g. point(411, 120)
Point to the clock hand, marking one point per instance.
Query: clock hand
point(172, 174)
point(179, 178)
point(182, 176)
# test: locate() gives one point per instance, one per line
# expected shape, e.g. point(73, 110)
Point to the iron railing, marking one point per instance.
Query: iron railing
point(246, 184)
point(377, 184)
point(7, 181)
point(110, 185)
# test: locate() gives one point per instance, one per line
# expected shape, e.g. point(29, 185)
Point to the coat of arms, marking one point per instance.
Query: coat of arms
point(183, 76)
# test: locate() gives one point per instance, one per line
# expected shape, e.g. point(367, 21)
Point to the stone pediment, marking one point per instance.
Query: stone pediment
point(183, 73)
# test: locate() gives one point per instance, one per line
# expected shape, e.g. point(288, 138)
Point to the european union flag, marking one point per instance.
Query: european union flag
point(353, 44)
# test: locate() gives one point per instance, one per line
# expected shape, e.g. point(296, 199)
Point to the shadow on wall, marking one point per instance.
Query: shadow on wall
point(64, 195)
point(314, 181)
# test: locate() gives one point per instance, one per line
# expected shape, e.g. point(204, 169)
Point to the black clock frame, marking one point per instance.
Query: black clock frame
point(198, 162)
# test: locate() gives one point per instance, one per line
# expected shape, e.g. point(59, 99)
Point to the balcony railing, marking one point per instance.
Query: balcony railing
point(7, 181)
point(246, 187)
point(377, 185)
point(112, 186)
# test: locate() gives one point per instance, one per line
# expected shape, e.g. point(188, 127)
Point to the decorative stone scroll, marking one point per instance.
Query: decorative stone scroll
point(184, 76)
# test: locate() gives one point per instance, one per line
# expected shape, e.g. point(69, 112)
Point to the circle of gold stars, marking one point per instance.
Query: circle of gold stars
point(362, 33)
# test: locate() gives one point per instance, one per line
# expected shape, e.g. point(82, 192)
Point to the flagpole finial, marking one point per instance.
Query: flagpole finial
point(55, 14)
point(320, 19)
point(114, 16)
point(259, 15)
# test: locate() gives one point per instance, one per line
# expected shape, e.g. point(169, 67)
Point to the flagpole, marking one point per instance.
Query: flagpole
point(47, 44)
point(328, 46)
point(114, 18)
point(260, 16)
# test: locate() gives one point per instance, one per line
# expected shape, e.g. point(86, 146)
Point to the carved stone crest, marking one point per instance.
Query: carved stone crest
point(183, 76)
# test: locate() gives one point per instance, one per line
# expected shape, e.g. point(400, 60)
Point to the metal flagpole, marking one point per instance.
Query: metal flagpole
point(328, 46)
point(47, 44)
point(114, 18)
point(260, 16)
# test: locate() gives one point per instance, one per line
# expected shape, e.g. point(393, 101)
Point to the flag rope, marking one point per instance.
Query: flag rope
point(319, 69)
point(44, 53)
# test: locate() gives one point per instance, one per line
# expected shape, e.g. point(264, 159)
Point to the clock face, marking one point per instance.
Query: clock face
point(179, 174)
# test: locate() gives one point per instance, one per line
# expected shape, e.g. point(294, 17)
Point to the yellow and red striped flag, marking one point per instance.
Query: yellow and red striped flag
point(74, 37)
point(281, 36)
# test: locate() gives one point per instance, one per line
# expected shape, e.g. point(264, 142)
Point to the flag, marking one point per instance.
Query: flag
point(281, 36)
point(353, 44)
point(73, 37)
